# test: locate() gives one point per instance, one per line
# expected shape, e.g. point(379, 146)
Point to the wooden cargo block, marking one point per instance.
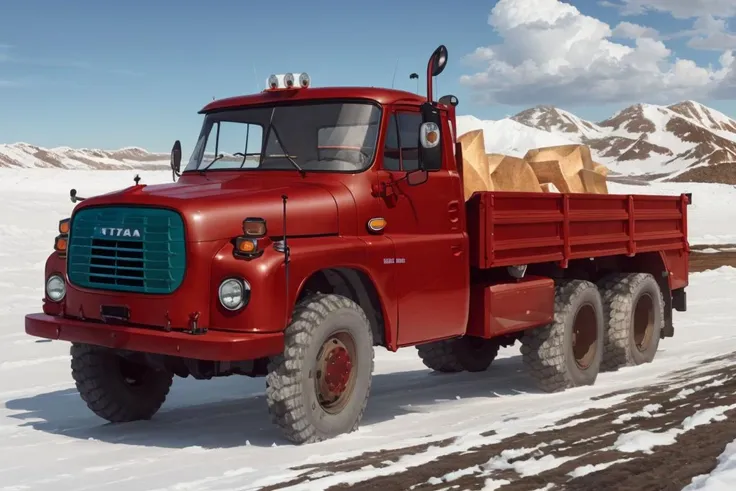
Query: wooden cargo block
point(555, 169)
point(600, 169)
point(594, 182)
point(512, 174)
point(548, 187)
point(476, 176)
point(571, 156)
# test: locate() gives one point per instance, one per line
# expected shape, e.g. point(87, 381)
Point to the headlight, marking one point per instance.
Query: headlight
point(234, 294)
point(56, 288)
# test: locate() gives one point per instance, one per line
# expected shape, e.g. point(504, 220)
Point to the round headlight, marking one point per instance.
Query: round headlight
point(234, 294)
point(56, 288)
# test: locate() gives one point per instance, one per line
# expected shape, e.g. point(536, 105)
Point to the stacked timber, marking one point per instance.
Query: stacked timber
point(557, 169)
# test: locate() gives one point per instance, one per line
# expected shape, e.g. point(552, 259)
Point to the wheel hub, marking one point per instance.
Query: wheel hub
point(338, 369)
point(335, 373)
point(643, 322)
point(584, 336)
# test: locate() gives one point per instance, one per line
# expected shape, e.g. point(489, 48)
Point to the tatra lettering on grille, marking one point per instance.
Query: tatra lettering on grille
point(134, 249)
point(117, 232)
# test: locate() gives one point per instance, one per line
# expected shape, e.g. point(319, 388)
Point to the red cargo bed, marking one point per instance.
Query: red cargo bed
point(509, 228)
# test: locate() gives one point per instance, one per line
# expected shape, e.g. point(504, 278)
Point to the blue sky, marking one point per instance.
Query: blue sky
point(86, 73)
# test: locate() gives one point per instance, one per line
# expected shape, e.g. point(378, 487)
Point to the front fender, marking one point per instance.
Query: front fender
point(266, 310)
point(269, 309)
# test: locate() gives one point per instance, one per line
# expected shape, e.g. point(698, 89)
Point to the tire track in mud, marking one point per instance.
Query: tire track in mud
point(550, 456)
point(703, 261)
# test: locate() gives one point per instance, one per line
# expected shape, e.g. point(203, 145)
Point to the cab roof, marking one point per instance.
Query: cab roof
point(379, 95)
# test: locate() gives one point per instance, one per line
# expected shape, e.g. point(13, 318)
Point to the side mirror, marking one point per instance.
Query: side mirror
point(439, 60)
point(176, 158)
point(417, 177)
point(449, 100)
point(436, 65)
point(430, 139)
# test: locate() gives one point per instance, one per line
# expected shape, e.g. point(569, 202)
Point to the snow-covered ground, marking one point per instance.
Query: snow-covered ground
point(216, 435)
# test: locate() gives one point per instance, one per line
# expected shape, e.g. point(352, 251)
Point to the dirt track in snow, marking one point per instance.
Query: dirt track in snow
point(701, 261)
point(691, 414)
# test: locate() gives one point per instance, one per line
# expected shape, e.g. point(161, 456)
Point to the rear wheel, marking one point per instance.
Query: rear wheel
point(568, 352)
point(456, 355)
point(115, 388)
point(634, 319)
point(318, 388)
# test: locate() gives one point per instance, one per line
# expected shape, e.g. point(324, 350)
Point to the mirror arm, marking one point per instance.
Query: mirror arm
point(430, 68)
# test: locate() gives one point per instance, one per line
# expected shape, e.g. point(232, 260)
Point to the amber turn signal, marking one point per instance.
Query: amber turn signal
point(64, 226)
point(254, 227)
point(60, 244)
point(376, 224)
point(245, 246)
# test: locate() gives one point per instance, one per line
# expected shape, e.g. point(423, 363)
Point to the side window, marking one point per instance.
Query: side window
point(230, 138)
point(409, 124)
point(401, 152)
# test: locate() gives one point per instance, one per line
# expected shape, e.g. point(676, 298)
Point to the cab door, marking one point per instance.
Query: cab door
point(426, 223)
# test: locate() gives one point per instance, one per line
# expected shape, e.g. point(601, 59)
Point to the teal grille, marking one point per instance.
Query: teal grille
point(133, 249)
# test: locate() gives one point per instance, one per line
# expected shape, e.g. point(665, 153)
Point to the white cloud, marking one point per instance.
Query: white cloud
point(552, 53)
point(627, 30)
point(713, 34)
point(681, 9)
point(709, 31)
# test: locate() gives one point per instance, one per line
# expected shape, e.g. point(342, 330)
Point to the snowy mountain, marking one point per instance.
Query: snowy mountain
point(555, 120)
point(684, 141)
point(647, 139)
point(24, 155)
point(511, 137)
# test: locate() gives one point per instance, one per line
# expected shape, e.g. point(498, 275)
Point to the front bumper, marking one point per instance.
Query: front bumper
point(214, 345)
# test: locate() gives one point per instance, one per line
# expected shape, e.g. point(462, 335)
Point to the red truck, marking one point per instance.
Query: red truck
point(311, 225)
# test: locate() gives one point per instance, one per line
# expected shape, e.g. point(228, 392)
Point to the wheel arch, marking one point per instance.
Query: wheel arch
point(659, 264)
point(356, 285)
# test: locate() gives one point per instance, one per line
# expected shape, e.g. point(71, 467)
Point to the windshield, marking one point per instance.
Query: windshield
point(326, 136)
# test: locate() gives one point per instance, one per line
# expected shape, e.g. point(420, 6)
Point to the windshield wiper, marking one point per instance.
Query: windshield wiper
point(271, 126)
point(201, 171)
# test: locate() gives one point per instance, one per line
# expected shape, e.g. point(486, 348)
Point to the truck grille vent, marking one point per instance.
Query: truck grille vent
point(133, 249)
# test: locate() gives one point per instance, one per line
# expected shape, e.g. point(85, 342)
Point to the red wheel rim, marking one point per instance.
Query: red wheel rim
point(335, 377)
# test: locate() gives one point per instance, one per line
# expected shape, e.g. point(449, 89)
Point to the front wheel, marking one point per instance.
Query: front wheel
point(318, 388)
point(115, 388)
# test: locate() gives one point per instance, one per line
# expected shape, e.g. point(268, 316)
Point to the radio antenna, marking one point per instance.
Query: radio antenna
point(287, 251)
point(393, 80)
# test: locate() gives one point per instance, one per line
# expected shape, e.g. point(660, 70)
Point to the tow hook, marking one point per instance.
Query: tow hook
point(194, 328)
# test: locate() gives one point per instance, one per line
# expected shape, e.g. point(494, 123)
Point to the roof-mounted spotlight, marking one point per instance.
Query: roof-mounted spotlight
point(304, 80)
point(289, 80)
point(273, 82)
